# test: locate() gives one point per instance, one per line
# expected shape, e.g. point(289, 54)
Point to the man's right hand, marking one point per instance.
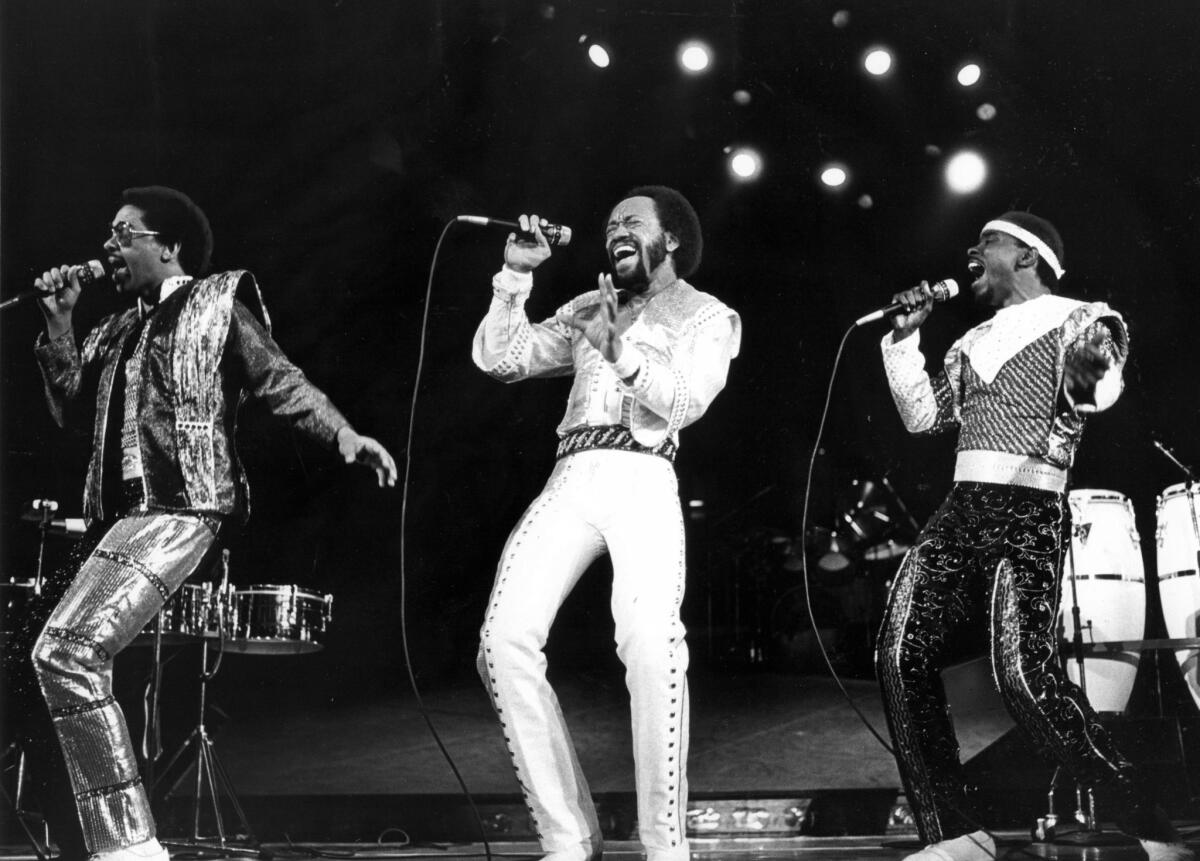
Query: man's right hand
point(523, 254)
point(918, 303)
point(61, 289)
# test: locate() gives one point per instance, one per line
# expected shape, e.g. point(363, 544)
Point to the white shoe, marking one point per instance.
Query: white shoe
point(976, 846)
point(1167, 851)
point(150, 850)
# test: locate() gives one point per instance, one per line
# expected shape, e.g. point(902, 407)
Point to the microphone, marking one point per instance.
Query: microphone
point(942, 291)
point(88, 273)
point(556, 234)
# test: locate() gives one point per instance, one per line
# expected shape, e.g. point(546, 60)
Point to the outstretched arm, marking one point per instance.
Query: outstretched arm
point(271, 377)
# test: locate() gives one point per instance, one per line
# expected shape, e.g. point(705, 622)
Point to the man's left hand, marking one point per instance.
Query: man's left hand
point(356, 448)
point(603, 324)
point(1085, 365)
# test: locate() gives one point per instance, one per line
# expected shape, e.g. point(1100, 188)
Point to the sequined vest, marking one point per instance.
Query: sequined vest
point(187, 410)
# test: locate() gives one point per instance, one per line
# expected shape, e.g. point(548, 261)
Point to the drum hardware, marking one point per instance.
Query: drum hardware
point(877, 526)
point(1103, 528)
point(21, 816)
point(14, 597)
point(212, 781)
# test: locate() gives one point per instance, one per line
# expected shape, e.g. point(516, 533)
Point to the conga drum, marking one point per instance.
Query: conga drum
point(1178, 517)
point(1103, 572)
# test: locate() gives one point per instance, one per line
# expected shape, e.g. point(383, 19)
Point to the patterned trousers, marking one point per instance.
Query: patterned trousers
point(138, 564)
point(990, 558)
point(628, 504)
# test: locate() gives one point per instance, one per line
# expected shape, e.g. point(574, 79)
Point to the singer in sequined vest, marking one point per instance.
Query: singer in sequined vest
point(165, 380)
point(1018, 389)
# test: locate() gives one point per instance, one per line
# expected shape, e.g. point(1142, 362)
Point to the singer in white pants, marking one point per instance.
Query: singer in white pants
point(647, 361)
point(586, 509)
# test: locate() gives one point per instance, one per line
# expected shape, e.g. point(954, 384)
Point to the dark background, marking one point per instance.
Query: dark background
point(330, 140)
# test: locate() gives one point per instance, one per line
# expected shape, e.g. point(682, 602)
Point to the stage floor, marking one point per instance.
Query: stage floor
point(1011, 846)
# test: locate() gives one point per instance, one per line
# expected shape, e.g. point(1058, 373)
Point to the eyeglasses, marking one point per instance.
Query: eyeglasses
point(124, 233)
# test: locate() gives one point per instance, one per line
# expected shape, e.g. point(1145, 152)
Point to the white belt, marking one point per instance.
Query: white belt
point(997, 467)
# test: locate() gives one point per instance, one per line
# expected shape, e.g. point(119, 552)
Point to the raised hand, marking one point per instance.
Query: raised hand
point(603, 323)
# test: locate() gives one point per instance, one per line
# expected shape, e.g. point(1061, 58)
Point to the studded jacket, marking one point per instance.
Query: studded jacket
point(1002, 383)
point(204, 348)
point(674, 361)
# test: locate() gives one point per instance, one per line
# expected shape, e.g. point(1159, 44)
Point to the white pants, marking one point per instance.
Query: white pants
point(628, 504)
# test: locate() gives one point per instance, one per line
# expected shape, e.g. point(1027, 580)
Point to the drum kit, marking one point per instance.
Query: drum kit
point(261, 619)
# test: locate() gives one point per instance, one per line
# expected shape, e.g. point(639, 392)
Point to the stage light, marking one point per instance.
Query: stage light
point(741, 97)
point(878, 61)
point(986, 112)
point(745, 164)
point(834, 175)
point(970, 74)
point(966, 172)
point(866, 201)
point(694, 56)
point(598, 54)
point(841, 19)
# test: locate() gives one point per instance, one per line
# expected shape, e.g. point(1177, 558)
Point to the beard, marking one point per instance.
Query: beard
point(638, 279)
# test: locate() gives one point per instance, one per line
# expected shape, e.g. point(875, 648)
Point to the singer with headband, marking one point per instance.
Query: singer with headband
point(1018, 389)
point(648, 353)
point(160, 384)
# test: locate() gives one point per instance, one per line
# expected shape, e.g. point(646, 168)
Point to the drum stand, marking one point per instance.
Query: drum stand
point(1087, 831)
point(44, 509)
point(212, 781)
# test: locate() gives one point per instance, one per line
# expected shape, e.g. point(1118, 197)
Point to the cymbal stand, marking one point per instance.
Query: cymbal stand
point(212, 780)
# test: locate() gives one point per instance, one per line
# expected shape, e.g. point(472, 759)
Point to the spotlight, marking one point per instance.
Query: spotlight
point(841, 19)
point(986, 111)
point(966, 172)
point(878, 61)
point(597, 53)
point(741, 97)
point(745, 164)
point(866, 201)
point(834, 175)
point(694, 56)
point(970, 74)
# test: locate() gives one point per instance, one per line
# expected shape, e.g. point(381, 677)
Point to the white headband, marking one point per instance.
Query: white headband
point(1030, 239)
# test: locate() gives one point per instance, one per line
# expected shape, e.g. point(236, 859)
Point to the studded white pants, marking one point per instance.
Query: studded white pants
point(628, 504)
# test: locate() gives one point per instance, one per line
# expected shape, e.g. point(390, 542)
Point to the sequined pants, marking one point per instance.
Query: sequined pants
point(992, 553)
point(135, 568)
point(628, 504)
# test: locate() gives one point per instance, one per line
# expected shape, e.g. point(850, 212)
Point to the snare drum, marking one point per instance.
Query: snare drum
point(1178, 517)
point(277, 620)
point(15, 596)
point(193, 613)
point(1105, 567)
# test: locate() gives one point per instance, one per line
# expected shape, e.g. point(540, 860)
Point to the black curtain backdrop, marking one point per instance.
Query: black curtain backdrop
point(330, 140)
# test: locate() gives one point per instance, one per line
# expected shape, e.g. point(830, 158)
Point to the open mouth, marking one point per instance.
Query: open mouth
point(622, 251)
point(975, 267)
point(116, 265)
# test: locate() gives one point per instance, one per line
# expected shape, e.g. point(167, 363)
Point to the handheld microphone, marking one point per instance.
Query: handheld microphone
point(88, 274)
point(942, 291)
point(556, 234)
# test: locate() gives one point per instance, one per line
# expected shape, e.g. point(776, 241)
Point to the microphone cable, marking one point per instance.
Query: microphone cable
point(404, 486)
point(812, 619)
